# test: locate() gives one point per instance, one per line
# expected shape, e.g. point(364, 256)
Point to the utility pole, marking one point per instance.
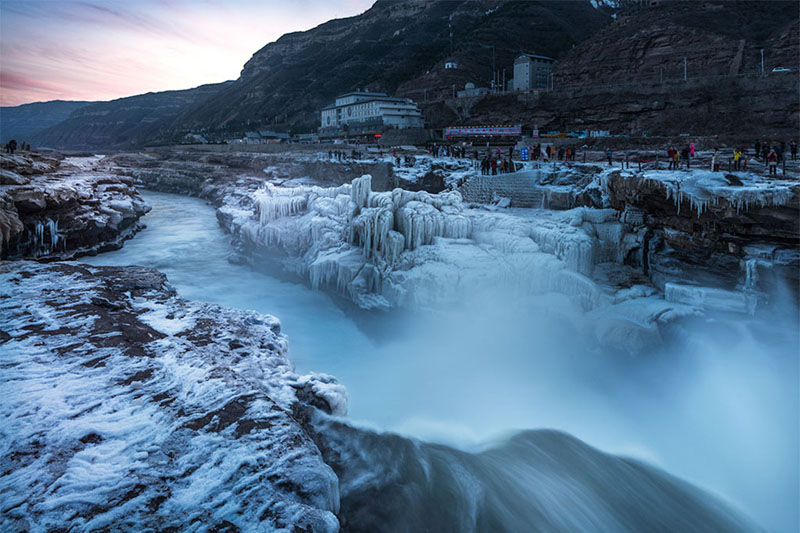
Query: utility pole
point(661, 78)
point(494, 64)
point(762, 61)
point(504, 80)
point(494, 70)
point(684, 68)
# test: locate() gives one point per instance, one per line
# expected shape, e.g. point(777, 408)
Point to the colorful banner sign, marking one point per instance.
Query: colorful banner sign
point(483, 131)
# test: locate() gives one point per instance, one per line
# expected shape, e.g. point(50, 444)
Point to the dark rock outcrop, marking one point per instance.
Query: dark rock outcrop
point(391, 483)
point(713, 241)
point(56, 209)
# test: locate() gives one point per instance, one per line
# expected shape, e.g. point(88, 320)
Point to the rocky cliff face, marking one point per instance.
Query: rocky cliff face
point(629, 77)
point(739, 109)
point(54, 209)
point(127, 407)
point(626, 76)
point(716, 37)
point(721, 230)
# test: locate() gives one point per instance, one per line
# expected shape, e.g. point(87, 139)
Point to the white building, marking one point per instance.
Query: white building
point(471, 91)
point(531, 72)
point(364, 112)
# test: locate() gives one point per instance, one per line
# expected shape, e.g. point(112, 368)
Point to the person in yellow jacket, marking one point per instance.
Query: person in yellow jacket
point(737, 155)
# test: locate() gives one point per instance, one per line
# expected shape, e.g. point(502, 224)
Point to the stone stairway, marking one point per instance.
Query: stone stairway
point(519, 187)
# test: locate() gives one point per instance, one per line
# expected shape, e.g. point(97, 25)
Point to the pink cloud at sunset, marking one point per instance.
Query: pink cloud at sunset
point(101, 50)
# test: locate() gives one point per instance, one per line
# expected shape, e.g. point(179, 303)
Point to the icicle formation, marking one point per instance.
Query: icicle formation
point(372, 229)
point(274, 203)
point(335, 233)
point(360, 190)
point(382, 224)
point(46, 238)
point(704, 189)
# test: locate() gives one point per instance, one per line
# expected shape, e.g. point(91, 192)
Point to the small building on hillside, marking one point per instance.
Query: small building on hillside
point(531, 72)
point(470, 91)
point(362, 113)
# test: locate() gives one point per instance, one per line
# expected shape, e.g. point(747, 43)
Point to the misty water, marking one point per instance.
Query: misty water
point(717, 404)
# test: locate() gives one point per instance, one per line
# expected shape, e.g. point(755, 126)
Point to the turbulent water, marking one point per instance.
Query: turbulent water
point(716, 403)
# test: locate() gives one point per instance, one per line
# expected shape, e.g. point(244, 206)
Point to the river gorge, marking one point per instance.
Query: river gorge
point(498, 408)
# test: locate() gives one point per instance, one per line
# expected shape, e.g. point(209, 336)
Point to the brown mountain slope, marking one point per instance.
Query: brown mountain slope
point(629, 77)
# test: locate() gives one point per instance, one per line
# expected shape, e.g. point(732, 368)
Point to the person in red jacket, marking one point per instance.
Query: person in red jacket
point(772, 161)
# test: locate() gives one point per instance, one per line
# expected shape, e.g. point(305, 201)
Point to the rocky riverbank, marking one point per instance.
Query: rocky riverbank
point(55, 208)
point(128, 407)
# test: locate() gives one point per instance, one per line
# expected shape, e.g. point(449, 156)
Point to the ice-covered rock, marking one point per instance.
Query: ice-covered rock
point(67, 211)
point(406, 248)
point(128, 408)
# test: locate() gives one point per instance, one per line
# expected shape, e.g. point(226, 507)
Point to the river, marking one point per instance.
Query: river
point(718, 406)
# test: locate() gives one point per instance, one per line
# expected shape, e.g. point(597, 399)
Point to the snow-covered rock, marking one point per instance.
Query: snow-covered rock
point(126, 407)
point(65, 211)
point(404, 248)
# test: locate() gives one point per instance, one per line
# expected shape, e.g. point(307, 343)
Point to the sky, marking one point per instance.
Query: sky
point(106, 49)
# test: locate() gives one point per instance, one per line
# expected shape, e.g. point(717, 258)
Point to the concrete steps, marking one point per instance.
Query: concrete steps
point(519, 187)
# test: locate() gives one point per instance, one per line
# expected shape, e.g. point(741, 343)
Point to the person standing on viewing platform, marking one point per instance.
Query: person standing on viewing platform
point(772, 161)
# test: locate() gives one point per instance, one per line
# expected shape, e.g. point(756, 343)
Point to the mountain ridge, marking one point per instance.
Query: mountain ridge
point(400, 47)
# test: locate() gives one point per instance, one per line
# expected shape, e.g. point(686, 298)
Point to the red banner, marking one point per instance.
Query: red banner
point(483, 131)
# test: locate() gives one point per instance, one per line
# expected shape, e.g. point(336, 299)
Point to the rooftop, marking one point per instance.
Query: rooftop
point(361, 93)
point(377, 98)
point(534, 56)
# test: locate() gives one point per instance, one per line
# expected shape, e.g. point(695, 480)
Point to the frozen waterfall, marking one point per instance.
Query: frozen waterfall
point(400, 247)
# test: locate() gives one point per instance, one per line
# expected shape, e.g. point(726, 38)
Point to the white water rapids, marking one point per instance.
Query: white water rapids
point(717, 405)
